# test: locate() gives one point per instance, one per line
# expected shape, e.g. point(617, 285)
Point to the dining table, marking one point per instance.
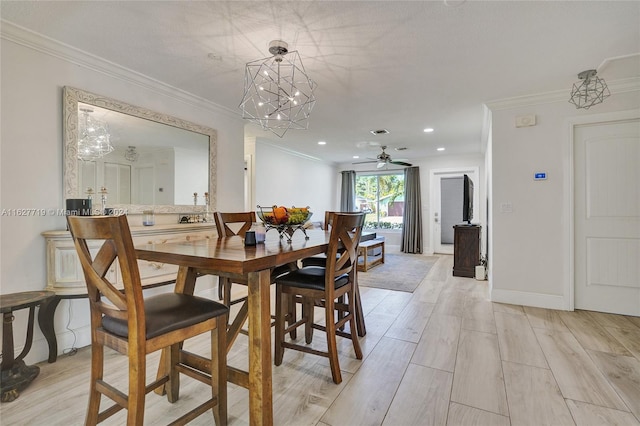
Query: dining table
point(230, 257)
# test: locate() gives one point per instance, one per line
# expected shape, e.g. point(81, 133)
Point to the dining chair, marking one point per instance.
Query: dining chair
point(242, 221)
point(135, 326)
point(238, 223)
point(329, 285)
point(320, 259)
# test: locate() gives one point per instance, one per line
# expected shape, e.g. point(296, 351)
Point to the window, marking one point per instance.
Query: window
point(381, 197)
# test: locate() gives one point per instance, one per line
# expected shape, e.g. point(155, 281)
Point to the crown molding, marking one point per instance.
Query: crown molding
point(615, 87)
point(267, 142)
point(32, 40)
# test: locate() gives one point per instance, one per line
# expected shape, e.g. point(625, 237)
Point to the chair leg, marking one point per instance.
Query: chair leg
point(219, 371)
point(172, 358)
point(220, 288)
point(279, 331)
point(307, 314)
point(97, 368)
point(226, 289)
point(353, 329)
point(137, 384)
point(331, 341)
point(340, 313)
point(292, 315)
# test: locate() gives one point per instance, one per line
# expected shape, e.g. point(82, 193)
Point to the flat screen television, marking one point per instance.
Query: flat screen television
point(467, 201)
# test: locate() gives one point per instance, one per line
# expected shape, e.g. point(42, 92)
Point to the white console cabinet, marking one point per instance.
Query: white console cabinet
point(64, 272)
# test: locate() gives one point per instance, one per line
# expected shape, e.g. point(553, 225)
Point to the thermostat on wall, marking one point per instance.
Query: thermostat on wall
point(540, 176)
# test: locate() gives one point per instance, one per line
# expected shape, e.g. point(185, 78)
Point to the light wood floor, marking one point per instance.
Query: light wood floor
point(443, 355)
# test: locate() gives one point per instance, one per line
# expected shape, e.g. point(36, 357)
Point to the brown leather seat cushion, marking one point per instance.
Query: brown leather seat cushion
point(168, 312)
point(309, 277)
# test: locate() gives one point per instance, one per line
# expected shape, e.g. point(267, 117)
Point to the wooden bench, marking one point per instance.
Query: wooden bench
point(363, 250)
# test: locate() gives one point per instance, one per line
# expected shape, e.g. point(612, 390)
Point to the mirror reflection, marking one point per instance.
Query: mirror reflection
point(150, 163)
point(142, 158)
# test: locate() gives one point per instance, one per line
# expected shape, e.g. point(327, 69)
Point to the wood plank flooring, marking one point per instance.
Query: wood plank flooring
point(444, 355)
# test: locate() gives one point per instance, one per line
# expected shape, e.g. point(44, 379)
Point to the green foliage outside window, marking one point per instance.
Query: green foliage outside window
point(382, 198)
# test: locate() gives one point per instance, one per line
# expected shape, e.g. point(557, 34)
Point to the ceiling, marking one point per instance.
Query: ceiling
point(396, 65)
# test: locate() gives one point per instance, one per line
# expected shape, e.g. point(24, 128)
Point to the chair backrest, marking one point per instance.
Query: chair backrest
point(223, 220)
point(328, 220)
point(342, 253)
point(117, 244)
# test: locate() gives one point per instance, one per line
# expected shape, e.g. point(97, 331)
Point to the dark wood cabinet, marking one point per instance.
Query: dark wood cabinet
point(466, 250)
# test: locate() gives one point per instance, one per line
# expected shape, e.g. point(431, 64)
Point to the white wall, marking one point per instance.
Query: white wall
point(530, 263)
point(33, 73)
point(289, 179)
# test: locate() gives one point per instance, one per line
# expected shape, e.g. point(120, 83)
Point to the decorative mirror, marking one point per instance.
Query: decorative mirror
point(142, 159)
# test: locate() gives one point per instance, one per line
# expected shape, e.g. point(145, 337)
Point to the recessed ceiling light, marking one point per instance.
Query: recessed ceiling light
point(428, 130)
point(356, 156)
point(440, 149)
point(322, 143)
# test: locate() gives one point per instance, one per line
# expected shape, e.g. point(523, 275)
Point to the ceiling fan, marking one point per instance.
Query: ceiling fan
point(383, 159)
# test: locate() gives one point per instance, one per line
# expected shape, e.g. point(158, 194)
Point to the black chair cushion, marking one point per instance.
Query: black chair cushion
point(168, 312)
point(318, 260)
point(280, 270)
point(311, 277)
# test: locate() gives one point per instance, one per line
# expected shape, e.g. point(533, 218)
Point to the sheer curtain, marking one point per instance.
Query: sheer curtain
point(411, 241)
point(348, 192)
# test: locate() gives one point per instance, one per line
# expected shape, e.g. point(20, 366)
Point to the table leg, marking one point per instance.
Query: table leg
point(46, 315)
point(15, 375)
point(260, 379)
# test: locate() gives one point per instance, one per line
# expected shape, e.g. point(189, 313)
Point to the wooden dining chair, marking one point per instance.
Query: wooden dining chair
point(135, 326)
point(320, 259)
point(329, 285)
point(241, 222)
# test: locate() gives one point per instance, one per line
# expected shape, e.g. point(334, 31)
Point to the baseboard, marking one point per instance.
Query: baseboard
point(524, 298)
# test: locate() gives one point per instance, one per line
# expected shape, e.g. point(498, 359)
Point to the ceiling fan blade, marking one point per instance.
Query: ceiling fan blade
point(365, 162)
point(400, 163)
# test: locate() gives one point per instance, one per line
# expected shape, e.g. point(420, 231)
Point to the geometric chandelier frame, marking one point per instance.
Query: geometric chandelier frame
point(590, 91)
point(278, 93)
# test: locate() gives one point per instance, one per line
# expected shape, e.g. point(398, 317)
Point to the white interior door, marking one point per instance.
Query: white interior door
point(607, 217)
point(145, 185)
point(436, 202)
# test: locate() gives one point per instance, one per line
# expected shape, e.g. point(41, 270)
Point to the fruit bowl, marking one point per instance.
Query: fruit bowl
point(286, 220)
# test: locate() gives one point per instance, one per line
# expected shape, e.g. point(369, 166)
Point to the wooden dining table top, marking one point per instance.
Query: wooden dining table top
point(230, 255)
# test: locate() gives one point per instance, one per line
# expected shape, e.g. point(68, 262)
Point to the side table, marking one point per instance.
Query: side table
point(15, 375)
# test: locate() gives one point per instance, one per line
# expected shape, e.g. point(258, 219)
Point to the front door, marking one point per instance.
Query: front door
point(607, 217)
point(440, 224)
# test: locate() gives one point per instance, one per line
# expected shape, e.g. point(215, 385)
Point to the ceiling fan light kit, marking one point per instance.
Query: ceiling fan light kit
point(278, 93)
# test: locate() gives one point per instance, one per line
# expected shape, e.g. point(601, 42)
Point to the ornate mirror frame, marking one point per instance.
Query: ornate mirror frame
point(71, 97)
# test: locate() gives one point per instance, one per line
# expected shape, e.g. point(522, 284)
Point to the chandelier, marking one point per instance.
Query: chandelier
point(278, 94)
point(591, 90)
point(93, 137)
point(131, 154)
